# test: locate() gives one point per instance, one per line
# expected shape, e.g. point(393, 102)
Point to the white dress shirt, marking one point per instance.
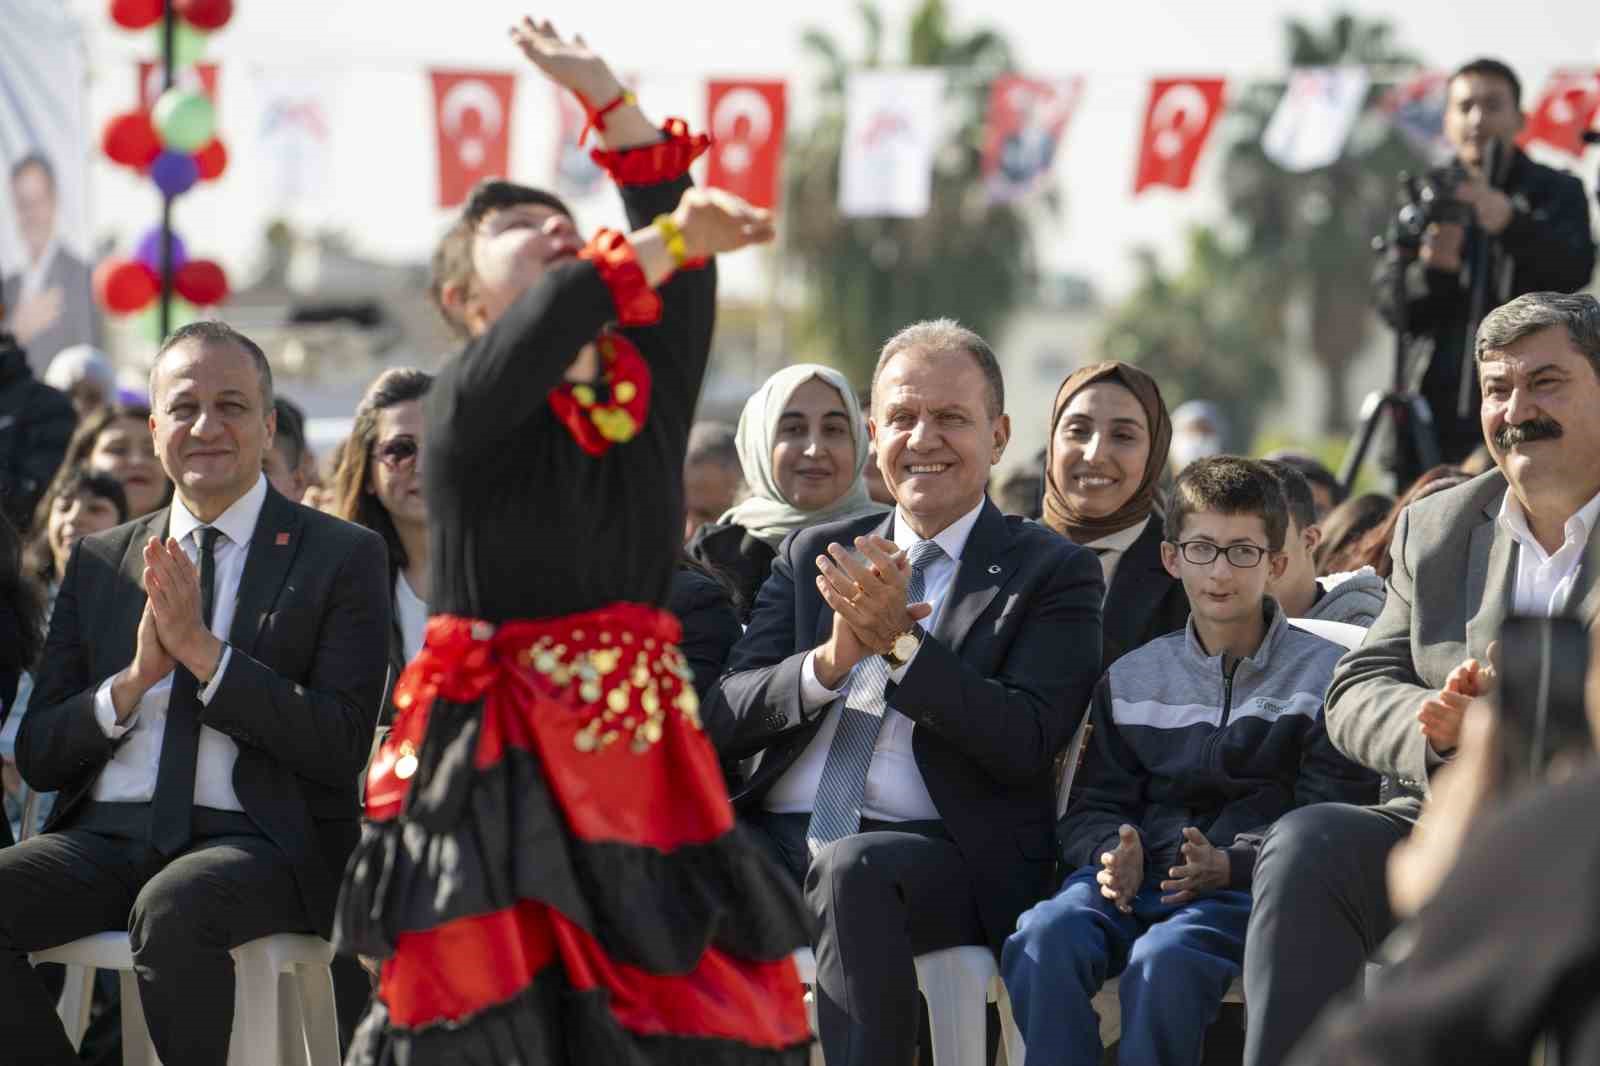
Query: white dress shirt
point(895, 791)
point(1544, 582)
point(130, 776)
point(1112, 548)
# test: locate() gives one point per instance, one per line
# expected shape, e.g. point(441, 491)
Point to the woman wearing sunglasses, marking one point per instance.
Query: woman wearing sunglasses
point(379, 485)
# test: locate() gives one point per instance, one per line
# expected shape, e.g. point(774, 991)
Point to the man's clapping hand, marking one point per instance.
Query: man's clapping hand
point(1440, 715)
point(868, 595)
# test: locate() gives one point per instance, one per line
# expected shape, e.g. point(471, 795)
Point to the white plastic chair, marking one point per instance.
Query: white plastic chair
point(1344, 633)
point(959, 984)
point(269, 1029)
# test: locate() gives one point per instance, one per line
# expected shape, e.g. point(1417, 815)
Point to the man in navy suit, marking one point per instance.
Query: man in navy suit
point(205, 704)
point(906, 683)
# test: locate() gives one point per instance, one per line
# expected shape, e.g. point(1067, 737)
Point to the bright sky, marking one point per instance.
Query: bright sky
point(369, 58)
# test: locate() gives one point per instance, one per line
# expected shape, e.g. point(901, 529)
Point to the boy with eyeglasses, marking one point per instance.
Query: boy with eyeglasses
point(1198, 742)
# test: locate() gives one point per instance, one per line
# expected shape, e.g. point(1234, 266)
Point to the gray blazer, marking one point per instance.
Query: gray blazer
point(1451, 587)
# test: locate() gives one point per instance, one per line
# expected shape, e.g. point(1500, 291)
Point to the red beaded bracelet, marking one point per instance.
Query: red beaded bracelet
point(597, 118)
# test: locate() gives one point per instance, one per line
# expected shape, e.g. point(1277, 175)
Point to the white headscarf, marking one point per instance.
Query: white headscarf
point(767, 514)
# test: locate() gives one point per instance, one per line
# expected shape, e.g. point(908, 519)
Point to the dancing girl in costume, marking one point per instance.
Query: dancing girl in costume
point(550, 872)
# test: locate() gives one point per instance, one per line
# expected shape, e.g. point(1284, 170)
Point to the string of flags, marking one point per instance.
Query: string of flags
point(896, 128)
point(893, 129)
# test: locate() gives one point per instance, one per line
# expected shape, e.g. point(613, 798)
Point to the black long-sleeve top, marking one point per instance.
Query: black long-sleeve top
point(524, 523)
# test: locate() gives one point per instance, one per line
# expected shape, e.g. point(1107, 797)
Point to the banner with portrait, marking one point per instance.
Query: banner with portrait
point(45, 252)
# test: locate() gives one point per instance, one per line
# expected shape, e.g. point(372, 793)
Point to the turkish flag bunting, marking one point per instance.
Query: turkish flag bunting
point(202, 76)
point(1565, 109)
point(746, 120)
point(1176, 124)
point(472, 125)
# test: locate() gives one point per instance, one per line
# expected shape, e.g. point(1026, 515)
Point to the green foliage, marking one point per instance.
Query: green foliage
point(966, 258)
point(1215, 328)
point(1208, 331)
point(1314, 231)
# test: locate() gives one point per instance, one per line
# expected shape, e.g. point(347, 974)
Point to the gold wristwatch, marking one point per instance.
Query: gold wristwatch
point(903, 648)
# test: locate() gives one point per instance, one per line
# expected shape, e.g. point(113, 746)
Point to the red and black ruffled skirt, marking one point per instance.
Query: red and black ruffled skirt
point(551, 872)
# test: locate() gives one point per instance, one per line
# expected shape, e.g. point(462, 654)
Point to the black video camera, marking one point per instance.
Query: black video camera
point(1428, 200)
point(1544, 663)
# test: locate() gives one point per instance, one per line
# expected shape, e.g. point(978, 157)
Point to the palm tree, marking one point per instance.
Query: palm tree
point(1205, 331)
point(966, 258)
point(1315, 229)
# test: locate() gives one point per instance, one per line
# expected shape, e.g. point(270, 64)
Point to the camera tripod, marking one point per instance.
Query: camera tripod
point(1416, 448)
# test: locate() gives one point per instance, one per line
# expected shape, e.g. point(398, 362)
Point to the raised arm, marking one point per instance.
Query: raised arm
point(650, 166)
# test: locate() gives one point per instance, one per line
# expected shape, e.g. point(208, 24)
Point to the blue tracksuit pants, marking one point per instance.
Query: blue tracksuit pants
point(1175, 964)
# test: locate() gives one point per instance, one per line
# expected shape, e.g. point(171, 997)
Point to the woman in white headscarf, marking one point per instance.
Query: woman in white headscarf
point(803, 446)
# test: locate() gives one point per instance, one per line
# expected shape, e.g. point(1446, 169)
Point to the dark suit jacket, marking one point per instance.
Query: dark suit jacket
point(744, 560)
point(710, 627)
point(1144, 601)
point(1451, 587)
point(300, 694)
point(997, 689)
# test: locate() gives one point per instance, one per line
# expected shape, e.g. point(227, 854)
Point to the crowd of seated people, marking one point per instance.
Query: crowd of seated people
point(893, 656)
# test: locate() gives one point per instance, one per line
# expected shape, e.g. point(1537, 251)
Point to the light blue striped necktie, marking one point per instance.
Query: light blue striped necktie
point(836, 812)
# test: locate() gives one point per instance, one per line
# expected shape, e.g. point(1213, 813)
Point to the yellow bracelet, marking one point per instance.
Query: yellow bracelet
point(672, 237)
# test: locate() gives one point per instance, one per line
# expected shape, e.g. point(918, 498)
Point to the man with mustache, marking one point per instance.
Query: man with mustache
point(1508, 541)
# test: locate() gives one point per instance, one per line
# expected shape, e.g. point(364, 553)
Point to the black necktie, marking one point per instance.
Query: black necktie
point(172, 808)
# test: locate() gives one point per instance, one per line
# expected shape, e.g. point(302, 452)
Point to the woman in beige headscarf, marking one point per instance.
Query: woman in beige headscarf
point(803, 445)
point(1109, 434)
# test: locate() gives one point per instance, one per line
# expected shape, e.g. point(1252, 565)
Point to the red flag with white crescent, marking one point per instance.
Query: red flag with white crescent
point(746, 120)
point(1565, 109)
point(472, 127)
point(1177, 122)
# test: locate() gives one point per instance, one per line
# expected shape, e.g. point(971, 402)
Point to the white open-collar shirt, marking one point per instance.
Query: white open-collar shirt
point(130, 775)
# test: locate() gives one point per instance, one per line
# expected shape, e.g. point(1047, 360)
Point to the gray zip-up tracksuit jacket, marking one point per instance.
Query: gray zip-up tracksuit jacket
point(1182, 738)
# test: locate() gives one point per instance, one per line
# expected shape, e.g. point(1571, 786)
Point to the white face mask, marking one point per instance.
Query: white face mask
point(1189, 447)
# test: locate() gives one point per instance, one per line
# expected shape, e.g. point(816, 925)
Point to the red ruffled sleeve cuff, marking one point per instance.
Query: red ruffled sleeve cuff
point(652, 163)
point(612, 255)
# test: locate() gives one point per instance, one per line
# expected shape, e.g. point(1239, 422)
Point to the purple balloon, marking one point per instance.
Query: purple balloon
point(148, 250)
point(174, 172)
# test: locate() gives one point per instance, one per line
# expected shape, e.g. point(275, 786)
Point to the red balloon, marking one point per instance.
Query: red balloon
point(205, 14)
point(131, 140)
point(212, 159)
point(136, 14)
point(125, 285)
point(201, 282)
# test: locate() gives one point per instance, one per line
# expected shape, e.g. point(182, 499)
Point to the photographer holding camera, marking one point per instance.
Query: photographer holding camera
point(1489, 226)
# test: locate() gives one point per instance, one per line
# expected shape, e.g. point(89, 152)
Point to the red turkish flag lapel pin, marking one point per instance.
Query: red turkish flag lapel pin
point(281, 540)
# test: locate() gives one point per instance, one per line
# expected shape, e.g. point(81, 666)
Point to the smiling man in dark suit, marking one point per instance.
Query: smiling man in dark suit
point(907, 683)
point(206, 702)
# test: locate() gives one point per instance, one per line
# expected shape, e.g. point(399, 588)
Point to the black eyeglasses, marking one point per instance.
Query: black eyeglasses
point(397, 452)
point(1204, 553)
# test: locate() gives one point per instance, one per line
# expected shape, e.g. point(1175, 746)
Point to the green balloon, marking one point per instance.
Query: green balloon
point(184, 119)
point(188, 43)
point(149, 320)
